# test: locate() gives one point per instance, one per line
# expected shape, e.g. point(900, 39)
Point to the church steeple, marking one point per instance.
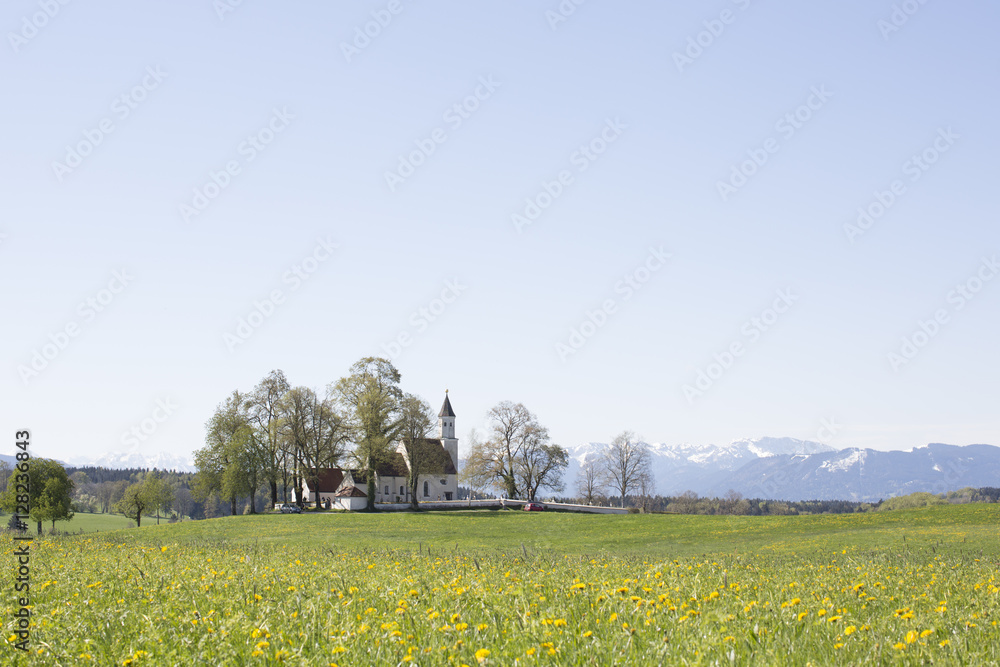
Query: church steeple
point(447, 421)
point(447, 418)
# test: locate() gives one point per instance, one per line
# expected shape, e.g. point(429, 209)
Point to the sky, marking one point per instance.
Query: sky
point(699, 221)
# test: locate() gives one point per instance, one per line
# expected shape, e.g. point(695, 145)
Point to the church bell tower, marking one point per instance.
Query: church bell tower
point(447, 423)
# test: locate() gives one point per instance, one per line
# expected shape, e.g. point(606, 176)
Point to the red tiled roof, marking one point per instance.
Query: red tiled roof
point(327, 481)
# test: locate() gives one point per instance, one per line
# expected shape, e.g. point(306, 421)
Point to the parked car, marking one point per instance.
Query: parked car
point(291, 509)
point(534, 507)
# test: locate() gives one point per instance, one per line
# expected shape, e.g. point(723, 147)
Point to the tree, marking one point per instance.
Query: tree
point(590, 482)
point(371, 397)
point(265, 419)
point(493, 462)
point(227, 463)
point(159, 493)
point(416, 422)
point(49, 496)
point(540, 464)
point(134, 503)
point(626, 463)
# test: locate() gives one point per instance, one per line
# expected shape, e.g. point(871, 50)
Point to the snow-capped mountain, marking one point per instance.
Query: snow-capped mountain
point(866, 474)
point(682, 467)
point(137, 459)
point(790, 469)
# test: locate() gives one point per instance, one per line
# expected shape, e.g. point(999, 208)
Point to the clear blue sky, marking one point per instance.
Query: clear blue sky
point(663, 134)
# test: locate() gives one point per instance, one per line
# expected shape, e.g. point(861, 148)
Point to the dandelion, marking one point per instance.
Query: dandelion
point(849, 630)
point(482, 654)
point(911, 636)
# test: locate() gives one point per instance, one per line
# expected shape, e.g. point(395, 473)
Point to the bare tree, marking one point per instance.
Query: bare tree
point(591, 482)
point(626, 461)
point(493, 463)
point(540, 464)
point(314, 431)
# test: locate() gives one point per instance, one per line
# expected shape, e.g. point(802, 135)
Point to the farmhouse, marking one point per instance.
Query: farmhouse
point(438, 457)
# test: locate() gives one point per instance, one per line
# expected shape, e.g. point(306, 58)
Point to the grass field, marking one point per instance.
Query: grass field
point(504, 588)
point(88, 523)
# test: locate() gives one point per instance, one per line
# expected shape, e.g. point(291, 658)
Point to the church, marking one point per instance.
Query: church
point(346, 489)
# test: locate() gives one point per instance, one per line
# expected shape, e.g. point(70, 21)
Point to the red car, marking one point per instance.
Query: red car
point(534, 507)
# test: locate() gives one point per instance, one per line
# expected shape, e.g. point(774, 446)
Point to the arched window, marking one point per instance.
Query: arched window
point(427, 490)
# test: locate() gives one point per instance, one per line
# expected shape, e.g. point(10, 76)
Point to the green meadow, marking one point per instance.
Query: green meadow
point(917, 586)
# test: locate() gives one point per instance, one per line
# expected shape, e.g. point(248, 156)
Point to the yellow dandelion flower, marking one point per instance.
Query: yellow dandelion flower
point(482, 654)
point(849, 630)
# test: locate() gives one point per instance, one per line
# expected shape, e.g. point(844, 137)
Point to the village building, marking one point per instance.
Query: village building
point(438, 459)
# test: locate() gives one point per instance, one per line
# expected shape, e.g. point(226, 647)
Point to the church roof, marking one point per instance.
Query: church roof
point(351, 492)
point(394, 467)
point(434, 458)
point(446, 410)
point(324, 480)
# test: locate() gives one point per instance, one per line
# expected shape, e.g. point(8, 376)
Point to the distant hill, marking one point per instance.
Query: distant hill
point(135, 459)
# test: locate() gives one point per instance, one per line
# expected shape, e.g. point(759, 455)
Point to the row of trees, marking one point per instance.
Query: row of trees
point(279, 435)
point(47, 493)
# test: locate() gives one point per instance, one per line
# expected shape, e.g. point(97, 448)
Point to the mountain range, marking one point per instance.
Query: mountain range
point(790, 469)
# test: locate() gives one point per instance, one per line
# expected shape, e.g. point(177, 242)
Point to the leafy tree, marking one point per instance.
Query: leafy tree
point(627, 464)
point(265, 419)
point(134, 503)
point(50, 492)
point(371, 399)
point(227, 464)
point(416, 422)
point(159, 493)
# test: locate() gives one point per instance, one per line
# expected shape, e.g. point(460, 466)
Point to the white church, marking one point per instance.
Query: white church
point(345, 489)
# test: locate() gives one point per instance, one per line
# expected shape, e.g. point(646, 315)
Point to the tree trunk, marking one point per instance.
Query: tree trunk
point(138, 519)
point(39, 527)
point(232, 505)
point(274, 492)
